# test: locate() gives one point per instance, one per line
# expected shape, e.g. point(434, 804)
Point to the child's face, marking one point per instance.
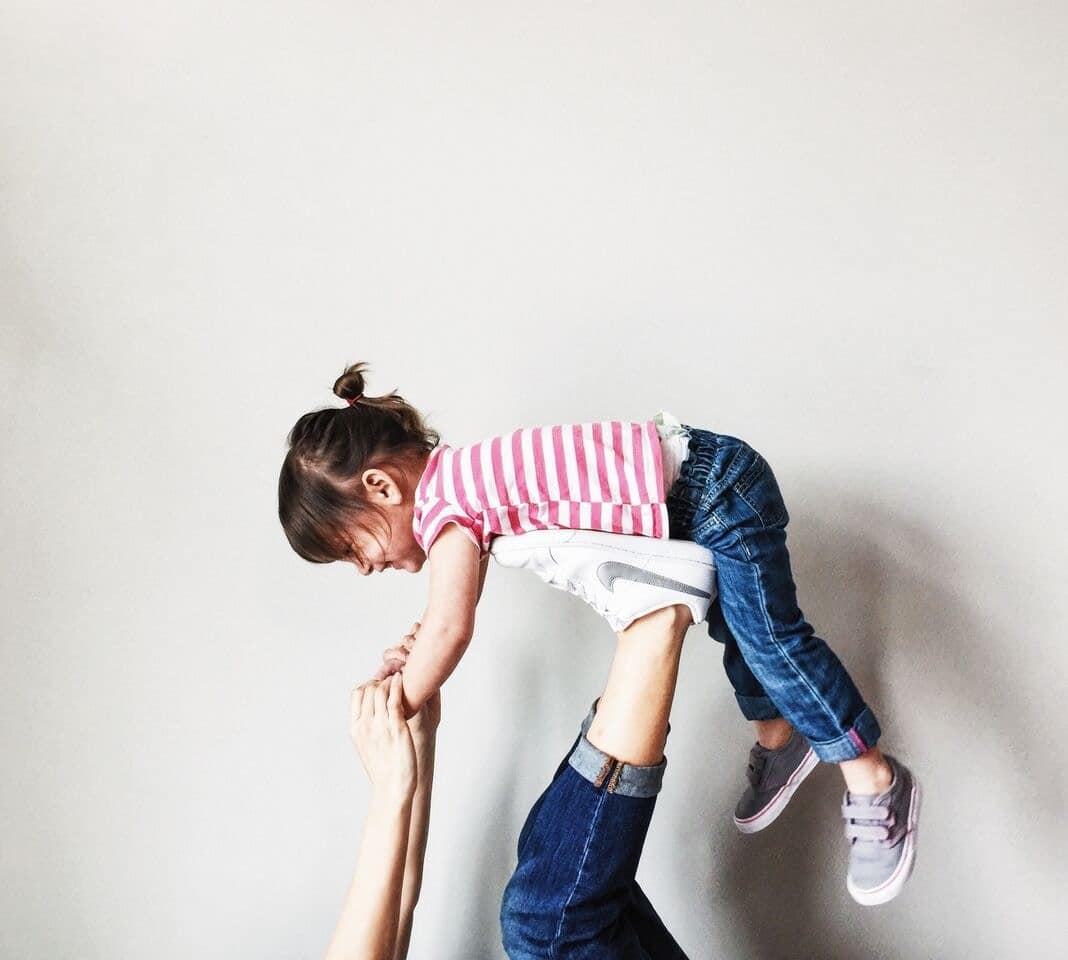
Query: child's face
point(395, 548)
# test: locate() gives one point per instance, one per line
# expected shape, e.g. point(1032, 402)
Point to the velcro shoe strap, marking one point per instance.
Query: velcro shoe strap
point(855, 812)
point(860, 831)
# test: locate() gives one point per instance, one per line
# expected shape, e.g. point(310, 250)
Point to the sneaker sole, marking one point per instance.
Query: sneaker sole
point(631, 543)
point(891, 886)
point(777, 804)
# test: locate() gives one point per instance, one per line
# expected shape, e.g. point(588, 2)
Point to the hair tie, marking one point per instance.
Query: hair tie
point(352, 402)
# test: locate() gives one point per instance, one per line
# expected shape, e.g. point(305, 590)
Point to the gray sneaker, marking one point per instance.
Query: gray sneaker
point(882, 834)
point(773, 775)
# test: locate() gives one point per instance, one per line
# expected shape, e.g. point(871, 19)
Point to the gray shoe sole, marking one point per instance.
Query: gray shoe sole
point(777, 804)
point(891, 886)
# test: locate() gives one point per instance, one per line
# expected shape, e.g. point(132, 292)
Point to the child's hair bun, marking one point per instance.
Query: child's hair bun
point(349, 385)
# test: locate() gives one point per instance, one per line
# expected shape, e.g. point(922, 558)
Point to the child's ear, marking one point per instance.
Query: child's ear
point(381, 487)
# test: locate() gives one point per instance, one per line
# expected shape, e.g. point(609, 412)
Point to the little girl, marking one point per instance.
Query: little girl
point(372, 484)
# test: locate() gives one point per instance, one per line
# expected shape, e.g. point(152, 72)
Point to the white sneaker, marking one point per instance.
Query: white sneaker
point(622, 577)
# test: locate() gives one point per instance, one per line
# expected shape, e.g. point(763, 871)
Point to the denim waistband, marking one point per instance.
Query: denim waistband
point(607, 773)
point(688, 490)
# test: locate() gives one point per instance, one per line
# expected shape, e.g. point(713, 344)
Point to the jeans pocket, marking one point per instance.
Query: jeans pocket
point(760, 491)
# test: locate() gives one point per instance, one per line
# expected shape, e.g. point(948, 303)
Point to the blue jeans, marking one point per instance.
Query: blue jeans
point(726, 499)
point(573, 895)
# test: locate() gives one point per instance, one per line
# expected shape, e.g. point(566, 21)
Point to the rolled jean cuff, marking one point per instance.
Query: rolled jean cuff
point(856, 741)
point(757, 708)
point(607, 773)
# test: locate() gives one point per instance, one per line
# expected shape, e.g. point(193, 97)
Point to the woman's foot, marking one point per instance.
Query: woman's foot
point(622, 577)
point(773, 776)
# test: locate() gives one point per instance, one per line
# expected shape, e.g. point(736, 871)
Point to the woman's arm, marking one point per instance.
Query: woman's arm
point(367, 926)
point(424, 727)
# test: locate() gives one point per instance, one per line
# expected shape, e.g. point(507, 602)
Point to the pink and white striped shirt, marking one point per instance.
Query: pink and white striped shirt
point(589, 476)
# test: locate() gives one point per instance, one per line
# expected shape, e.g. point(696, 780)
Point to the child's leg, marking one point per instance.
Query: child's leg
point(573, 893)
point(772, 729)
point(742, 520)
point(867, 774)
point(800, 672)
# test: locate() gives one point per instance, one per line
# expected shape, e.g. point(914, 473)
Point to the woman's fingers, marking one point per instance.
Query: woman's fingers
point(356, 700)
point(367, 706)
point(380, 699)
point(395, 703)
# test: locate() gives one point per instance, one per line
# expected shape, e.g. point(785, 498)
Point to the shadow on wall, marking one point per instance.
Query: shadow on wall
point(882, 592)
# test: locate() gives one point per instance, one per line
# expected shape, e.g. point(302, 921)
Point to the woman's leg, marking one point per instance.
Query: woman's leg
point(573, 894)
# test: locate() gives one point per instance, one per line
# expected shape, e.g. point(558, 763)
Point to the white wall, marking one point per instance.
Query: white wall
point(836, 229)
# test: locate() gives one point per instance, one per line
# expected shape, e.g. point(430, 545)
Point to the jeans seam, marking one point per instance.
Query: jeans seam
point(799, 674)
point(756, 512)
point(743, 486)
point(578, 874)
point(747, 479)
point(739, 540)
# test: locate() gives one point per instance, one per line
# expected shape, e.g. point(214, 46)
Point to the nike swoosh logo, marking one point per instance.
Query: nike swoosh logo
point(611, 571)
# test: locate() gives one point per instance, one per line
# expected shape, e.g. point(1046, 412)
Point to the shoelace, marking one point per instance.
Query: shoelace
point(868, 824)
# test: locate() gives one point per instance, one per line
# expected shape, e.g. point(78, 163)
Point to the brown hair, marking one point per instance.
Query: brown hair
point(319, 488)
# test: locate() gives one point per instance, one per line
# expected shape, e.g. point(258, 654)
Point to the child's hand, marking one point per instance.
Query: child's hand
point(394, 658)
point(382, 737)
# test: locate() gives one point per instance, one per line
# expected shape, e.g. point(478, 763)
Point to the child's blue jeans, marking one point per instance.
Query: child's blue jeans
point(727, 499)
point(573, 895)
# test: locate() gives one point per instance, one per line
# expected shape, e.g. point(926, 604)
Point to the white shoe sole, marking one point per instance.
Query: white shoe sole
point(891, 886)
point(770, 813)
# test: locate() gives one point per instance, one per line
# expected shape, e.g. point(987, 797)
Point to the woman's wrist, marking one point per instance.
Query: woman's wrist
point(393, 798)
point(424, 740)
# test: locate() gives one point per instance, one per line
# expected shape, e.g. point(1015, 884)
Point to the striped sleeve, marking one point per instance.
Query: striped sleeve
point(436, 512)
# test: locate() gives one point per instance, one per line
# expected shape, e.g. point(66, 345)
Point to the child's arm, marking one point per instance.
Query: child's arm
point(449, 619)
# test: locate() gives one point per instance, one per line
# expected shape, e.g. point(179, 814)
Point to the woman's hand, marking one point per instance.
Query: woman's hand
point(383, 738)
